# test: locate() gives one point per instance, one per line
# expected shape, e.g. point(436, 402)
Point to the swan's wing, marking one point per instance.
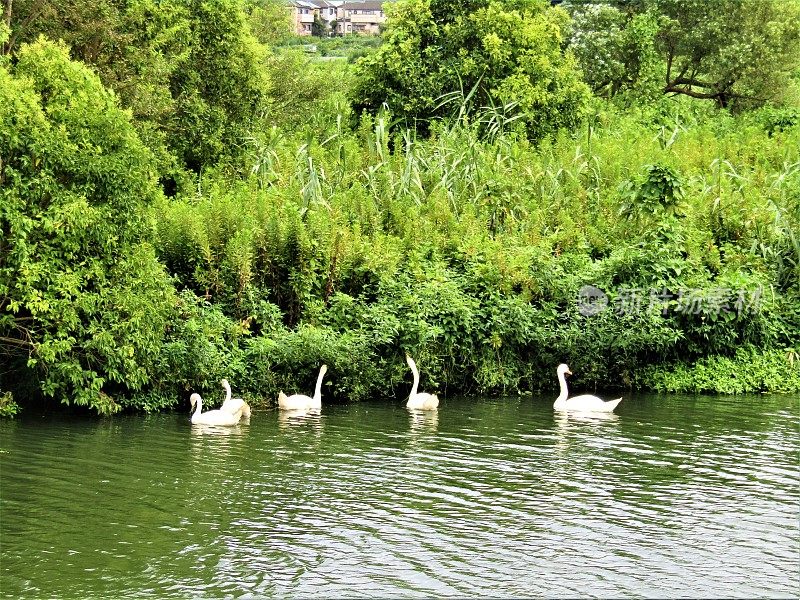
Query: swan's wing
point(431, 402)
point(584, 398)
point(217, 417)
point(423, 401)
point(233, 405)
point(587, 402)
point(294, 402)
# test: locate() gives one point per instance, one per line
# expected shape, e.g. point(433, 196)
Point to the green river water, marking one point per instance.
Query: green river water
point(674, 496)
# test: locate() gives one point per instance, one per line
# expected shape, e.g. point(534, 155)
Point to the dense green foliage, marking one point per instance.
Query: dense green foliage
point(508, 55)
point(616, 50)
point(270, 21)
point(471, 254)
point(190, 71)
point(80, 287)
point(350, 47)
point(8, 408)
point(738, 53)
point(743, 55)
point(287, 238)
point(745, 371)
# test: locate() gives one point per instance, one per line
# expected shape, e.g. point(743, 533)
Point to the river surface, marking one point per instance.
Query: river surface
point(674, 496)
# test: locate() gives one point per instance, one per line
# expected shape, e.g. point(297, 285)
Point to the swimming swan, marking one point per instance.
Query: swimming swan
point(419, 401)
point(584, 403)
point(233, 405)
point(301, 401)
point(211, 417)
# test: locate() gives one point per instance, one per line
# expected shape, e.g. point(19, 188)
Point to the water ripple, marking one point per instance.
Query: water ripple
point(672, 497)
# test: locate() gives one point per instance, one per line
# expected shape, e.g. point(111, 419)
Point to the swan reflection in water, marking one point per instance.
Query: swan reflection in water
point(198, 429)
point(210, 442)
point(576, 427)
point(423, 421)
point(292, 419)
point(564, 418)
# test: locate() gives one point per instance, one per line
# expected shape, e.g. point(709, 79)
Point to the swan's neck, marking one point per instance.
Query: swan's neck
point(318, 389)
point(416, 380)
point(227, 393)
point(562, 382)
point(199, 407)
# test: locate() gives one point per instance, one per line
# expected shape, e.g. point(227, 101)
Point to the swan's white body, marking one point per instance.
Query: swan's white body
point(584, 403)
point(211, 417)
point(419, 400)
point(301, 401)
point(233, 405)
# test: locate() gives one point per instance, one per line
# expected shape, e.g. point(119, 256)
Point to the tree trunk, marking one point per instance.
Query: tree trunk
point(7, 20)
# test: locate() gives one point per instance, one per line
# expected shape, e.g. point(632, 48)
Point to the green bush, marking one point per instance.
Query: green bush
point(201, 347)
point(81, 291)
point(8, 408)
point(750, 370)
point(290, 361)
point(499, 54)
point(469, 252)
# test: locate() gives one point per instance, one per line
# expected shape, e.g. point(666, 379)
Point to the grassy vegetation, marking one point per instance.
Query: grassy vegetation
point(350, 47)
point(359, 246)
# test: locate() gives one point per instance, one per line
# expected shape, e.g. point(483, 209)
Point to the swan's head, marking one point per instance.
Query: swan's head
point(194, 399)
point(225, 384)
point(323, 369)
point(563, 369)
point(410, 361)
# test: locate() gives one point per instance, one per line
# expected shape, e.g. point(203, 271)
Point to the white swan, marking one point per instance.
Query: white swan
point(584, 403)
point(233, 405)
point(301, 401)
point(211, 417)
point(421, 400)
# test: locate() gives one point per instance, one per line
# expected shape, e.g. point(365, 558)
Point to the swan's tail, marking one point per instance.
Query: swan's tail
point(612, 404)
point(281, 398)
point(432, 402)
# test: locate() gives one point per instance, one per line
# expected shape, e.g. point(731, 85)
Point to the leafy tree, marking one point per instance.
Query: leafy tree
point(5, 26)
point(189, 70)
point(616, 49)
point(134, 46)
point(83, 300)
point(319, 28)
point(270, 21)
point(508, 54)
point(220, 89)
point(738, 53)
point(742, 51)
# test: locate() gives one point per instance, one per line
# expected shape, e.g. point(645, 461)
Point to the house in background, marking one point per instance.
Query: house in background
point(360, 16)
point(354, 16)
point(304, 12)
